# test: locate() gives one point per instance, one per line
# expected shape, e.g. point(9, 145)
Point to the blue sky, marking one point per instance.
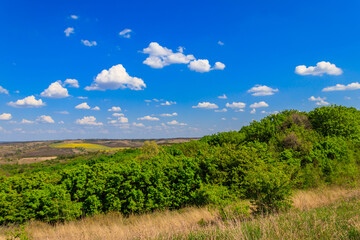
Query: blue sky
point(164, 64)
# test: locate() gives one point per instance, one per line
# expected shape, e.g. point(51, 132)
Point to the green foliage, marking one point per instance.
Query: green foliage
point(269, 188)
point(262, 162)
point(336, 121)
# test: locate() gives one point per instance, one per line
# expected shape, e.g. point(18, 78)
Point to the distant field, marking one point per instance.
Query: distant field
point(86, 146)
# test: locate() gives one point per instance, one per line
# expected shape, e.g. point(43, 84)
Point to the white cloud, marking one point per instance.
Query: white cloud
point(340, 87)
point(201, 65)
point(25, 121)
point(118, 114)
point(28, 102)
point(95, 108)
point(320, 69)
point(253, 111)
point(174, 122)
point(219, 66)
point(125, 33)
point(223, 119)
point(90, 120)
point(72, 83)
point(69, 31)
point(5, 116)
point(74, 17)
point(119, 120)
point(206, 105)
point(45, 119)
point(123, 120)
point(149, 118)
point(114, 78)
point(114, 109)
point(3, 90)
point(138, 124)
point(61, 122)
point(168, 114)
point(160, 57)
point(83, 106)
point(168, 103)
point(259, 105)
point(82, 97)
point(221, 110)
point(55, 90)
point(222, 96)
point(319, 101)
point(236, 105)
point(220, 43)
point(262, 90)
point(89, 43)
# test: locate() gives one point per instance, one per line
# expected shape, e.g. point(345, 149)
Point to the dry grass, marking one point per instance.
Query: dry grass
point(309, 199)
point(184, 224)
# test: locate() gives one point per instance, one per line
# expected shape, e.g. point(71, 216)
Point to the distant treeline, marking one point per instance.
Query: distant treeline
point(263, 162)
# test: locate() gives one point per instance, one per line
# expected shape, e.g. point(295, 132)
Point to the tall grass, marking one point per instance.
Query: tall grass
point(327, 213)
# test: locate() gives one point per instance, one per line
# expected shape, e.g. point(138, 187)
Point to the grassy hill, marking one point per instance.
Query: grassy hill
point(248, 172)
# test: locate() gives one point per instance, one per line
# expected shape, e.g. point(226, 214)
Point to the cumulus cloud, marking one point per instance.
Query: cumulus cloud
point(206, 105)
point(160, 57)
point(201, 65)
point(138, 124)
point(168, 114)
point(320, 69)
point(319, 101)
point(119, 120)
point(114, 78)
point(83, 106)
point(89, 43)
point(45, 119)
point(69, 31)
point(341, 87)
point(125, 33)
point(236, 105)
point(168, 103)
point(74, 17)
point(95, 108)
point(25, 121)
point(82, 97)
point(219, 66)
point(262, 90)
point(72, 83)
point(88, 120)
point(259, 105)
point(28, 102)
point(220, 43)
point(174, 122)
point(149, 118)
point(3, 90)
point(55, 90)
point(5, 116)
point(253, 111)
point(114, 109)
point(222, 96)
